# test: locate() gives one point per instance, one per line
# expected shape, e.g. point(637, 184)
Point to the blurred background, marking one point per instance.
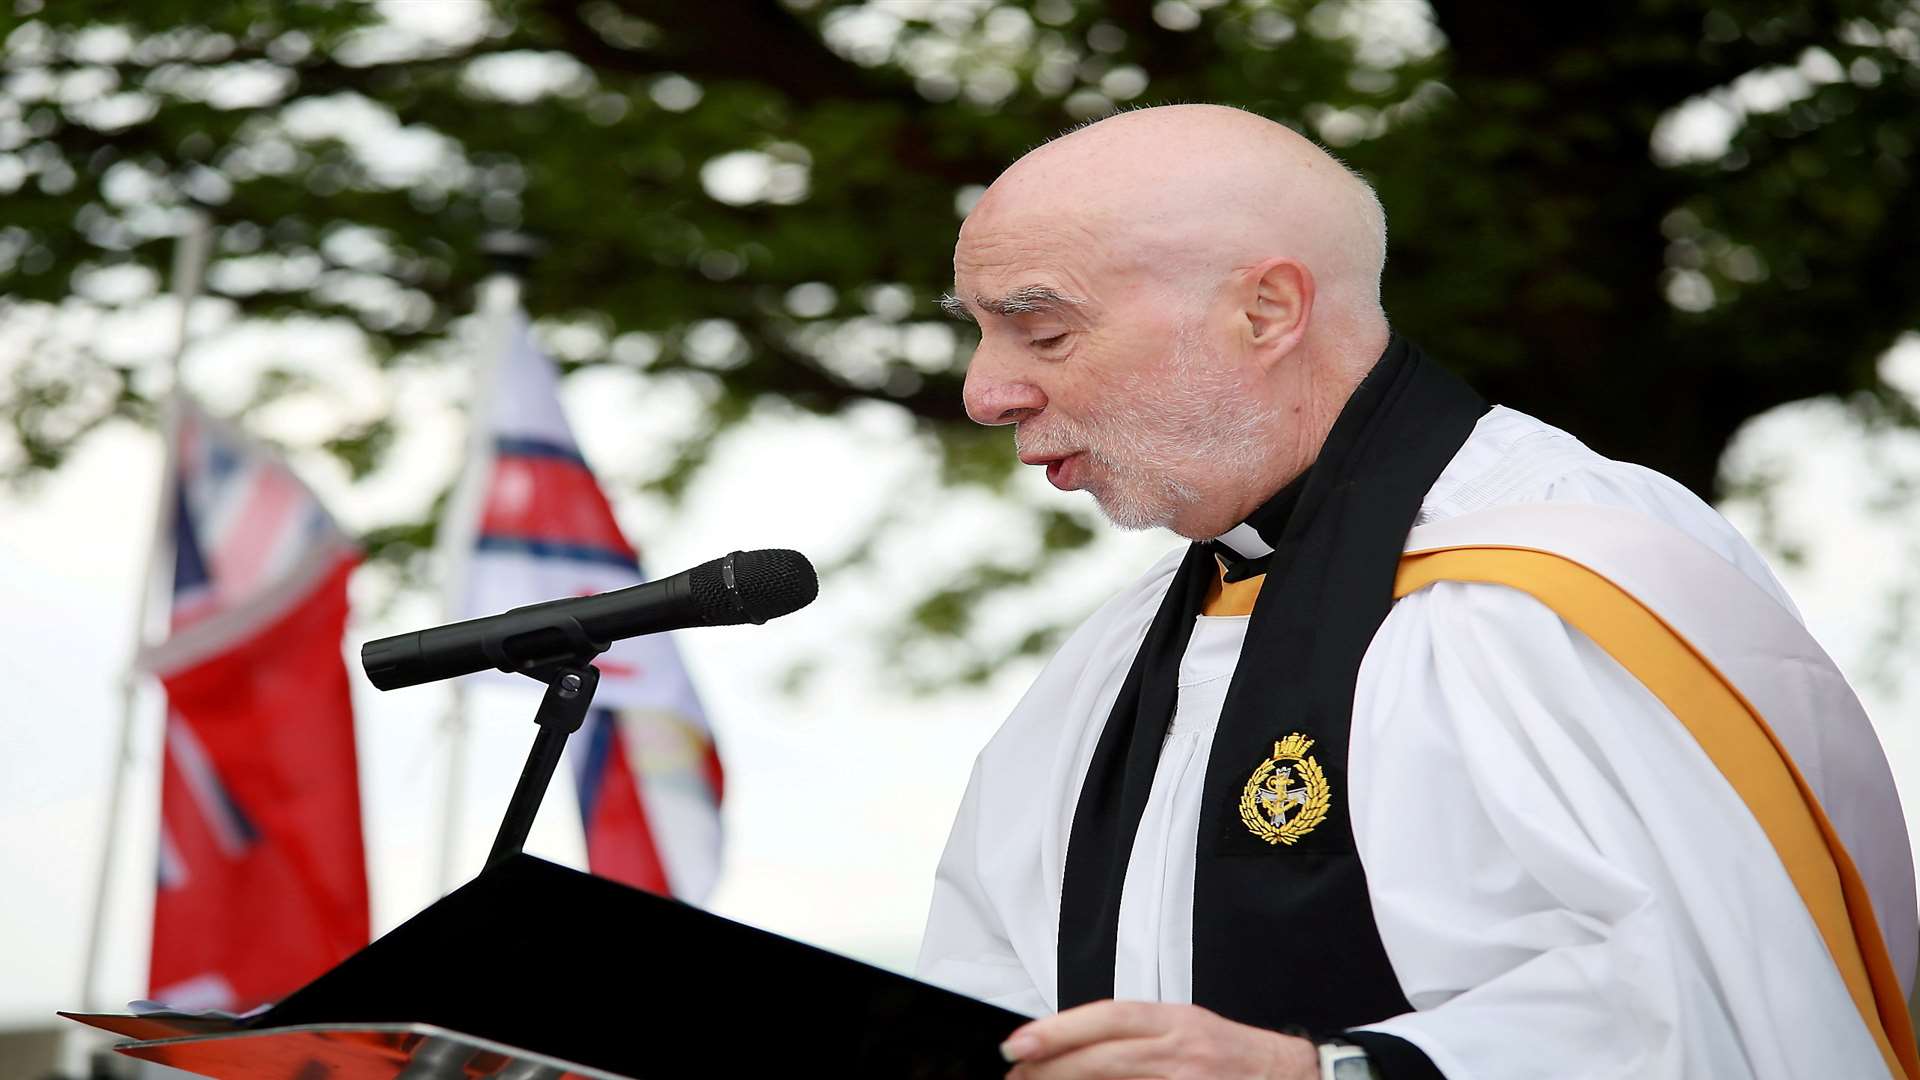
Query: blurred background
point(1686, 231)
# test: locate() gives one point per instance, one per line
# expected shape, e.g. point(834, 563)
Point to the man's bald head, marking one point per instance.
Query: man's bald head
point(1192, 191)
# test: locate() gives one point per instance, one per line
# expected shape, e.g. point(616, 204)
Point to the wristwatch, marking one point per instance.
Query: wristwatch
point(1344, 1061)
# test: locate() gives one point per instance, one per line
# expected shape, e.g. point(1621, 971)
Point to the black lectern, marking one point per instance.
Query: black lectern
point(534, 970)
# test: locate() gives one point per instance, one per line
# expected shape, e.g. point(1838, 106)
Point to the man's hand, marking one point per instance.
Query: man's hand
point(1135, 1040)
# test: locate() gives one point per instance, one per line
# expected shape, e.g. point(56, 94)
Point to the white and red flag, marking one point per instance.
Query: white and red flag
point(262, 875)
point(644, 764)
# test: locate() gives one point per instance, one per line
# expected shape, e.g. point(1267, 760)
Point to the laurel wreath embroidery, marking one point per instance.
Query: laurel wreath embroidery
point(1268, 793)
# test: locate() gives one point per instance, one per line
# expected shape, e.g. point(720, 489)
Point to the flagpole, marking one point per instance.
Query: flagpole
point(190, 254)
point(497, 303)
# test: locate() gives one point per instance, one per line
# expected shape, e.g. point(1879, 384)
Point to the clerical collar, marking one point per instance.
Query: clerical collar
point(1245, 549)
point(1245, 542)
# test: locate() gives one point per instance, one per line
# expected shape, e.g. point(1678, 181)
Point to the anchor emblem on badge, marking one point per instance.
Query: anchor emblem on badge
point(1287, 795)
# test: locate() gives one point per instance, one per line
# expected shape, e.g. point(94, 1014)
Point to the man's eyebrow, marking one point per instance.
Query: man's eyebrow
point(955, 307)
point(1025, 300)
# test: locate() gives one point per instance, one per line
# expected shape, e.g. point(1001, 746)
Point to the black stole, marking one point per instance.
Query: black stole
point(1283, 936)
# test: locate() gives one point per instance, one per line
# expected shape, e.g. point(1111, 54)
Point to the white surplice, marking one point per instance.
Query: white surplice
point(1564, 883)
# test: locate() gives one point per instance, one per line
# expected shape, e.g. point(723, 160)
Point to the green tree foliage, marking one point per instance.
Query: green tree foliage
point(760, 196)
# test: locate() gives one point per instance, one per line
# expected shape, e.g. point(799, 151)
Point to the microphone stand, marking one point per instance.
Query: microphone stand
point(571, 682)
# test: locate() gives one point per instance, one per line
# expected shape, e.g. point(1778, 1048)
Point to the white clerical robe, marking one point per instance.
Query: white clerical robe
point(1564, 883)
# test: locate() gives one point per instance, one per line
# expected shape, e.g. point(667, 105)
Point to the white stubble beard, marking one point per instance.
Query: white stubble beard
point(1192, 419)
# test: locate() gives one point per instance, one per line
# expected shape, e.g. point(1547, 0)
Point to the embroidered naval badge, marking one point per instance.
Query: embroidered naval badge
point(1287, 795)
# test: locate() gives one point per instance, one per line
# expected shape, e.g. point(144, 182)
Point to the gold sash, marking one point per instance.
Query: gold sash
point(1738, 741)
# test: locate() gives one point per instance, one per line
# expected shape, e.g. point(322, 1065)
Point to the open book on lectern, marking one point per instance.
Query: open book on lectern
point(579, 969)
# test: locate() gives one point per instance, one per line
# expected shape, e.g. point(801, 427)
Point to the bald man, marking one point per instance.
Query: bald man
point(1447, 747)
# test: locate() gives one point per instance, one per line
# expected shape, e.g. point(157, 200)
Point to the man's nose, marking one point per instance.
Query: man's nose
point(997, 391)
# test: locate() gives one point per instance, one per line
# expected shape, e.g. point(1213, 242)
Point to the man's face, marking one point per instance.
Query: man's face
point(1115, 381)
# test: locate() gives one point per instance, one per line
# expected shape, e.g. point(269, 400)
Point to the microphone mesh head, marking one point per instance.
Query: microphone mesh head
point(766, 585)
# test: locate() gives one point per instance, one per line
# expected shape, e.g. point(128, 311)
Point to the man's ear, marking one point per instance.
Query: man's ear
point(1278, 308)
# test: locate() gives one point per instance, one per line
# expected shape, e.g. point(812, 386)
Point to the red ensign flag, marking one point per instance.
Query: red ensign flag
point(262, 876)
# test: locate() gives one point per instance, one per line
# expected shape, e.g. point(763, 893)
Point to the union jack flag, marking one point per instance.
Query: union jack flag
point(644, 765)
point(262, 876)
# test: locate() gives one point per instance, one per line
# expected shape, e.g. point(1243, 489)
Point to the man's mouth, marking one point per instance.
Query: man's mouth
point(1060, 467)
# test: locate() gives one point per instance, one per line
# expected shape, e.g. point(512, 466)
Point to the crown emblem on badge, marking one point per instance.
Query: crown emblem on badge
point(1287, 795)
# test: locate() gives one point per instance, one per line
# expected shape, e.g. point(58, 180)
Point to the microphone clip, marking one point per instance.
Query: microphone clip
point(538, 652)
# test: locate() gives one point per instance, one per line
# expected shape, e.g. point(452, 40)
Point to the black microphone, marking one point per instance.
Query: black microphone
point(746, 586)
